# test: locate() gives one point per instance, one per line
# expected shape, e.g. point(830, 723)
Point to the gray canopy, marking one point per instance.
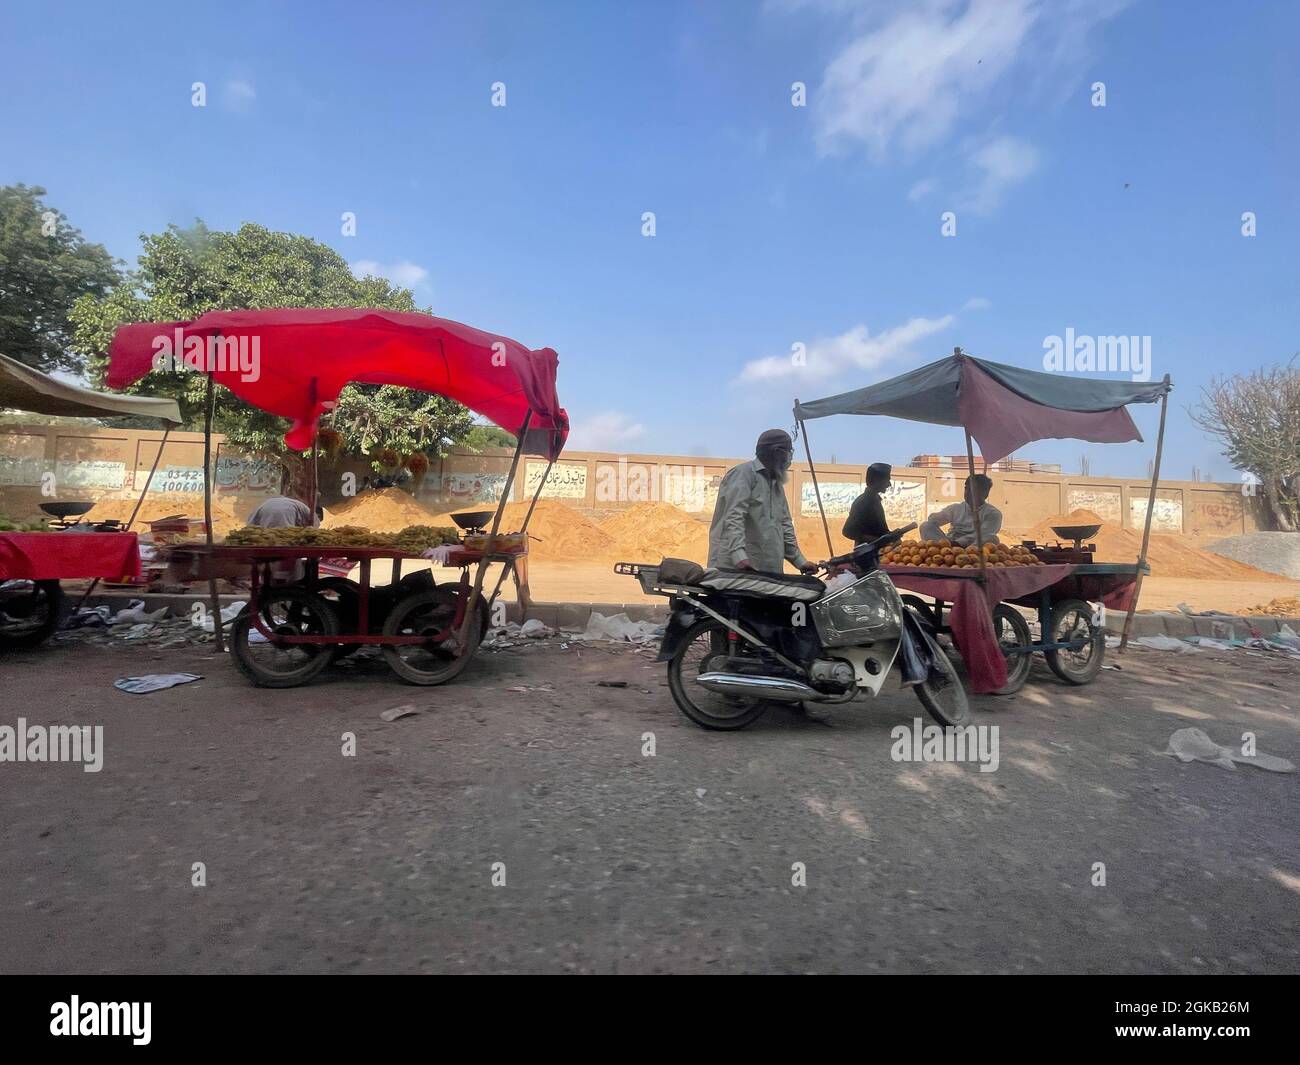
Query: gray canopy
point(1003, 407)
point(26, 389)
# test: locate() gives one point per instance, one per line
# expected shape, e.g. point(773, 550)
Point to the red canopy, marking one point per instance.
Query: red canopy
point(295, 362)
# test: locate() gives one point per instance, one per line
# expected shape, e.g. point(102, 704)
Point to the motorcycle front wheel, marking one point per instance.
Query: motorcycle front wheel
point(705, 643)
point(942, 693)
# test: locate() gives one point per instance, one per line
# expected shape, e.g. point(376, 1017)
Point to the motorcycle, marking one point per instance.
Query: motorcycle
point(738, 640)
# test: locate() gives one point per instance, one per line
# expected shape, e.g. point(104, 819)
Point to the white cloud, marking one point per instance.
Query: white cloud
point(238, 94)
point(922, 189)
point(976, 303)
point(610, 430)
point(856, 349)
point(404, 273)
point(911, 73)
point(996, 167)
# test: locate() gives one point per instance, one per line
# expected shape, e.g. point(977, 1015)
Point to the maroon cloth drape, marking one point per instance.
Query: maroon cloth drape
point(64, 556)
point(295, 362)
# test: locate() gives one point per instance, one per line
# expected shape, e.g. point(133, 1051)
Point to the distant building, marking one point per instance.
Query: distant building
point(1007, 465)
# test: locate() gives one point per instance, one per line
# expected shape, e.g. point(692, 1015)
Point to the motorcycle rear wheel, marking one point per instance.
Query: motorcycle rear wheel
point(942, 693)
point(703, 642)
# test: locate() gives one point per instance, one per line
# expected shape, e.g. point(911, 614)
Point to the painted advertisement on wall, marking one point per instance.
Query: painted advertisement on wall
point(1167, 517)
point(466, 489)
point(170, 479)
point(1104, 502)
point(16, 470)
point(568, 480)
point(905, 503)
point(837, 498)
point(236, 473)
point(90, 473)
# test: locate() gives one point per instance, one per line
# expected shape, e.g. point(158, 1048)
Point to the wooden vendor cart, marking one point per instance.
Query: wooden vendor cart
point(1003, 408)
point(290, 631)
point(32, 564)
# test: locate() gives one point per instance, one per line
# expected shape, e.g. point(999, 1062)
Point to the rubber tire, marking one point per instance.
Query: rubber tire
point(443, 594)
point(243, 624)
point(349, 593)
point(1057, 662)
point(960, 716)
point(54, 593)
point(924, 611)
point(678, 690)
point(1018, 666)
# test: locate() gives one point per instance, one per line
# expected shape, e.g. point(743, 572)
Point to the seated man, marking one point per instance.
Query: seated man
point(959, 517)
point(279, 511)
point(867, 516)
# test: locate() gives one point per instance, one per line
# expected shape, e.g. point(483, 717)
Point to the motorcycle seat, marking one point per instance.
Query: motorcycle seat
point(792, 586)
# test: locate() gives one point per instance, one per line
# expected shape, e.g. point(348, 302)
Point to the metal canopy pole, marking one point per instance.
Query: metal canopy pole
point(803, 431)
point(1151, 509)
point(975, 510)
point(492, 537)
point(214, 599)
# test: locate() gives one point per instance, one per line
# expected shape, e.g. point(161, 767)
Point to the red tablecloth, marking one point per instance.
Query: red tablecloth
point(971, 615)
point(57, 556)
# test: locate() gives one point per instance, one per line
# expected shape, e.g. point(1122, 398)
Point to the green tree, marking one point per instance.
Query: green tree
point(45, 265)
point(184, 272)
point(485, 436)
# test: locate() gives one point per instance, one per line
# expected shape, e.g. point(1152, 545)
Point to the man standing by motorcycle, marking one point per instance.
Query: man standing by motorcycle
point(751, 527)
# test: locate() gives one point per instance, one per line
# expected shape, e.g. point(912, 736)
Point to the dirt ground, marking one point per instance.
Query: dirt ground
point(619, 862)
point(578, 582)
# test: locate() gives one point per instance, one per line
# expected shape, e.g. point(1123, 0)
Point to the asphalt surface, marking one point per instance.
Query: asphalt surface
point(615, 861)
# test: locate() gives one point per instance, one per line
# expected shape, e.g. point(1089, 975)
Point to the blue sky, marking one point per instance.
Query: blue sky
point(775, 225)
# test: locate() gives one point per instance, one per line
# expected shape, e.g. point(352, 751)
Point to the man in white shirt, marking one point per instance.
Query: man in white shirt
point(960, 516)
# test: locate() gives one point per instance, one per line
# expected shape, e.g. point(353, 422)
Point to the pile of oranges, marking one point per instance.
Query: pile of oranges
point(940, 554)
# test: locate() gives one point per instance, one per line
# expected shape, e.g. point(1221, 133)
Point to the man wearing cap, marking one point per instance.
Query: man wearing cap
point(867, 516)
point(751, 526)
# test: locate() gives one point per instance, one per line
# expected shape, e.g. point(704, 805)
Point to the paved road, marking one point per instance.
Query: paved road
point(619, 862)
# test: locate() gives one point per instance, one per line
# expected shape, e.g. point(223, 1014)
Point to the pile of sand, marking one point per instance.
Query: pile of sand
point(381, 510)
point(1169, 555)
point(557, 533)
point(647, 532)
point(164, 505)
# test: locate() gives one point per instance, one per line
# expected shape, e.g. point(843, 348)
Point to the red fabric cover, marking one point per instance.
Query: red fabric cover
point(306, 356)
point(1001, 421)
point(56, 556)
point(971, 616)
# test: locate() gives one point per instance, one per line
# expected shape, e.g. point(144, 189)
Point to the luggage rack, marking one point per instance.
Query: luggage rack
point(648, 575)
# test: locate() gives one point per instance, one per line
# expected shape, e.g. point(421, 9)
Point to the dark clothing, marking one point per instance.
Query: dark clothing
point(866, 518)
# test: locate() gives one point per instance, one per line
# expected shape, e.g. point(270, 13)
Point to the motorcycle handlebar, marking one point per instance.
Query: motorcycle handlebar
point(862, 550)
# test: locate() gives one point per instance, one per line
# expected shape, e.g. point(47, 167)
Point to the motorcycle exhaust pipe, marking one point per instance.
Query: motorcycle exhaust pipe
point(777, 689)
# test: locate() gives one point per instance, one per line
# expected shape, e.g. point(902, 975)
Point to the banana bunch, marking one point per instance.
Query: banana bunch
point(413, 539)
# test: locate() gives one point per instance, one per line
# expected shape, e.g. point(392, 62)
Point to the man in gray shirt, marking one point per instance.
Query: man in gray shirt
point(751, 527)
point(279, 511)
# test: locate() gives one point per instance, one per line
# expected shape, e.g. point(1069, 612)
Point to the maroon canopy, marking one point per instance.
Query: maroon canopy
point(295, 362)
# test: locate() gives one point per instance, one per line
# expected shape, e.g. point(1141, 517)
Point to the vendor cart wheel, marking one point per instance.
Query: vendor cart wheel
point(290, 611)
point(701, 647)
point(924, 610)
point(1011, 630)
point(428, 613)
point(942, 693)
point(30, 611)
point(1072, 620)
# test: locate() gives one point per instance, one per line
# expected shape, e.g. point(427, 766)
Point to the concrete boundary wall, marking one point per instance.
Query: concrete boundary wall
point(92, 463)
